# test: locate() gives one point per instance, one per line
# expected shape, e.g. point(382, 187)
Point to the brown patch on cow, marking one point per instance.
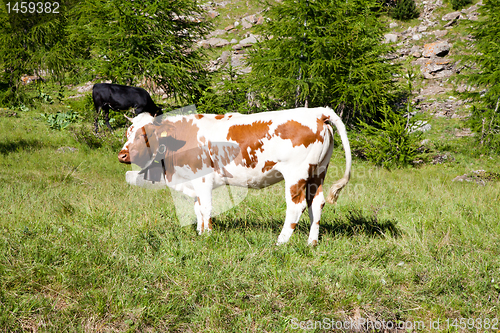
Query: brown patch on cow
point(314, 183)
point(219, 116)
point(191, 154)
point(268, 165)
point(203, 180)
point(210, 223)
point(314, 243)
point(222, 157)
point(146, 138)
point(300, 134)
point(314, 187)
point(249, 137)
point(293, 225)
point(199, 116)
point(230, 116)
point(298, 191)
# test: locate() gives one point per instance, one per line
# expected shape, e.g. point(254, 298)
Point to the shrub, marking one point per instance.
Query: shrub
point(458, 4)
point(485, 122)
point(389, 142)
point(405, 10)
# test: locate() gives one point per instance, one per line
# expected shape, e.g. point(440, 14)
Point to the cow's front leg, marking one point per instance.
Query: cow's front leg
point(203, 219)
point(203, 210)
point(295, 194)
point(106, 118)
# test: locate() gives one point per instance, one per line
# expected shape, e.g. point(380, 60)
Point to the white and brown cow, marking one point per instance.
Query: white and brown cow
point(203, 151)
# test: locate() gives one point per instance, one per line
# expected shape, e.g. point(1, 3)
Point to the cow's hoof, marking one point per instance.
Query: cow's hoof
point(313, 243)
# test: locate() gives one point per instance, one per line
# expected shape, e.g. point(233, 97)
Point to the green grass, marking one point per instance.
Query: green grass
point(82, 251)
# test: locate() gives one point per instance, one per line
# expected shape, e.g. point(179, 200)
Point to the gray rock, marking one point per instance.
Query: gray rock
point(440, 33)
point(415, 51)
point(224, 57)
point(213, 14)
point(249, 40)
point(238, 62)
point(390, 38)
point(216, 33)
point(246, 24)
point(218, 42)
point(420, 125)
point(451, 16)
point(436, 49)
point(393, 25)
point(250, 19)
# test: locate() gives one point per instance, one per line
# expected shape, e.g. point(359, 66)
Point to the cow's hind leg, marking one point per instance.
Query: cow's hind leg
point(295, 194)
point(315, 202)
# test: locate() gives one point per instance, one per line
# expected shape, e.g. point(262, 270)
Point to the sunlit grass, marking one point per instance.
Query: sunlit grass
point(81, 250)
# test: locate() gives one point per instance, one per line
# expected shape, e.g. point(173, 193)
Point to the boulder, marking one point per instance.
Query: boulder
point(436, 49)
point(390, 38)
point(249, 40)
point(415, 51)
point(214, 42)
point(451, 16)
point(440, 33)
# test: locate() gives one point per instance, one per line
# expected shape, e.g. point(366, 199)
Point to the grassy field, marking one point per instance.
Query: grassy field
point(82, 251)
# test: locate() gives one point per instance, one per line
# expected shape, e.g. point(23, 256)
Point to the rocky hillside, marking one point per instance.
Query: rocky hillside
point(427, 43)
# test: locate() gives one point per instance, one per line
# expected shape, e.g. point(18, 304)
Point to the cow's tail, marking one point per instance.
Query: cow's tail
point(340, 184)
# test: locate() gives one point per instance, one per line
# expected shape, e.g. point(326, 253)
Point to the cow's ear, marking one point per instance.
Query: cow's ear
point(150, 130)
point(172, 143)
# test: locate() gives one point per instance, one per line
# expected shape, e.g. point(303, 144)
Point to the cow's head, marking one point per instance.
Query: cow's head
point(137, 123)
point(148, 141)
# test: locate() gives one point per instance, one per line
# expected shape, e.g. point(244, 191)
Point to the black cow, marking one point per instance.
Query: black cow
point(117, 97)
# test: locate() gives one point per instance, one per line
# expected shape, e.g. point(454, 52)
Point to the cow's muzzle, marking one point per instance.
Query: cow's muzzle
point(124, 156)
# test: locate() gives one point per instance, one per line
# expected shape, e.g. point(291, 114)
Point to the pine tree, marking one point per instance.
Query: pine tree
point(32, 42)
point(135, 40)
point(482, 70)
point(324, 52)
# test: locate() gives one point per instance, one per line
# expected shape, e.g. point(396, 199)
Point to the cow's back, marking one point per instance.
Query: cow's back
point(266, 142)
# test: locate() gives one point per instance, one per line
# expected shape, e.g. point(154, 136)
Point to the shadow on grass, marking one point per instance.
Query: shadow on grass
point(355, 223)
point(351, 224)
point(21, 144)
point(223, 223)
